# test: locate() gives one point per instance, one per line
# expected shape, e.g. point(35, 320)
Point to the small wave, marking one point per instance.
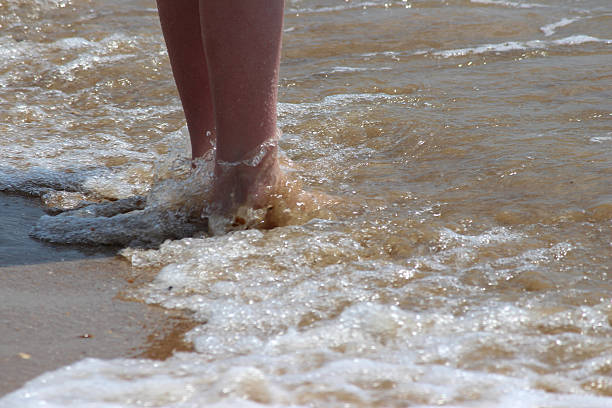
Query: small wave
point(72, 43)
point(333, 102)
point(549, 29)
point(137, 227)
point(38, 181)
point(519, 46)
point(495, 48)
point(171, 209)
point(494, 236)
point(486, 48)
point(579, 39)
point(88, 62)
point(342, 69)
point(513, 4)
point(601, 139)
point(329, 9)
point(11, 51)
point(179, 204)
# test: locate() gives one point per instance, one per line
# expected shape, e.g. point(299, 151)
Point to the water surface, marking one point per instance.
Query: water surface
point(470, 143)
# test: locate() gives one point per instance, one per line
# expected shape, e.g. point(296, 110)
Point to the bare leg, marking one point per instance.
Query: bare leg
point(180, 23)
point(242, 40)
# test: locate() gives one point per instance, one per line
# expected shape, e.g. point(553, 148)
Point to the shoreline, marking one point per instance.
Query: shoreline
point(61, 304)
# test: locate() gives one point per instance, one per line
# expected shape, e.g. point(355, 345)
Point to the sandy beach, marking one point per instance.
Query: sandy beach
point(59, 311)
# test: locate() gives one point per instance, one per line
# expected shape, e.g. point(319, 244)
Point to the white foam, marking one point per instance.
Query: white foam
point(72, 43)
point(498, 48)
point(387, 53)
point(370, 354)
point(306, 314)
point(86, 62)
point(579, 39)
point(356, 69)
point(504, 3)
point(12, 51)
point(176, 195)
point(550, 29)
point(601, 139)
point(494, 236)
point(335, 102)
point(519, 46)
point(44, 4)
point(486, 48)
point(348, 6)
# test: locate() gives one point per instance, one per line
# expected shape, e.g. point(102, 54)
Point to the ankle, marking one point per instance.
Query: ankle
point(253, 157)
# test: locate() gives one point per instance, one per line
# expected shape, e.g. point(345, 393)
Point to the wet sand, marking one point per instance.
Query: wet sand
point(60, 311)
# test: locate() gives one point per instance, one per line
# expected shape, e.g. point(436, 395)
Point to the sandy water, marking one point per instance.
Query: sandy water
point(469, 142)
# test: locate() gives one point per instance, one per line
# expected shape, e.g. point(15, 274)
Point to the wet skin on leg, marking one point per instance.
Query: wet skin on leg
point(180, 21)
point(242, 40)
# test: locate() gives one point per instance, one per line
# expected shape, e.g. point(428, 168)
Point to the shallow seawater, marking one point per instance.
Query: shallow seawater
point(17, 247)
point(468, 264)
